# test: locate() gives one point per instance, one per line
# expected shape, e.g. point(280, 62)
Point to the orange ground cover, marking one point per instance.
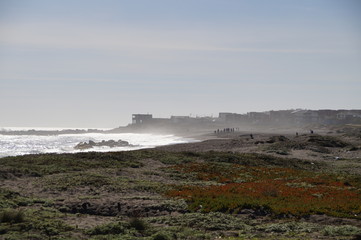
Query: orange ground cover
point(277, 190)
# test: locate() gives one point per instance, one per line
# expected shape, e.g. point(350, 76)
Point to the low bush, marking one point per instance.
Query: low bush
point(213, 221)
point(63, 182)
point(45, 164)
point(110, 228)
point(12, 216)
point(138, 224)
point(160, 236)
point(345, 230)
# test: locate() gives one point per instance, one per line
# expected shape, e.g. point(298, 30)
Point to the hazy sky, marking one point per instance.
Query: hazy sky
point(73, 63)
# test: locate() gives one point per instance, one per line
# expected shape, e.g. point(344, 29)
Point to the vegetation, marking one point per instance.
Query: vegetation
point(315, 143)
point(274, 190)
point(158, 195)
point(40, 224)
point(11, 216)
point(45, 164)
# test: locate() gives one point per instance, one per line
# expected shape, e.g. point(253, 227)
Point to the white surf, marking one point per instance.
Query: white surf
point(13, 145)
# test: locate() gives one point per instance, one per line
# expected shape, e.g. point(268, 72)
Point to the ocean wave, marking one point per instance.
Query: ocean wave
point(13, 145)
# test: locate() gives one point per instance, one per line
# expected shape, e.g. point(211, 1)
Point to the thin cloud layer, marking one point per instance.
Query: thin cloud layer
point(177, 57)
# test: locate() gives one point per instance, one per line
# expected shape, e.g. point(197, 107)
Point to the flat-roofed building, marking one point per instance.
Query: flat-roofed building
point(141, 118)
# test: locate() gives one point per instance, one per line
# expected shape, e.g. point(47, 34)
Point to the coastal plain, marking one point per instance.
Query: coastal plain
point(230, 186)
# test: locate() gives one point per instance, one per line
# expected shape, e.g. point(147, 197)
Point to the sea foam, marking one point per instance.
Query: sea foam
point(13, 145)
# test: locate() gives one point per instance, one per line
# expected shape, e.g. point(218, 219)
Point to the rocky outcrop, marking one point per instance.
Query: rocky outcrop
point(131, 208)
point(109, 143)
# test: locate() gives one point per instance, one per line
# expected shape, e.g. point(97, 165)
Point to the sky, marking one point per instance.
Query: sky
point(93, 63)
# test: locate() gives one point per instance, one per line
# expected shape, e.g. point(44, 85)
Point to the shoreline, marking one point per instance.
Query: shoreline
point(94, 195)
point(15, 145)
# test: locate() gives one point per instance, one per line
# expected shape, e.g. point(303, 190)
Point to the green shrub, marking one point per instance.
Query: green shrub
point(46, 164)
point(111, 228)
point(345, 230)
point(12, 216)
point(213, 221)
point(63, 182)
point(10, 199)
point(288, 227)
point(138, 224)
point(160, 236)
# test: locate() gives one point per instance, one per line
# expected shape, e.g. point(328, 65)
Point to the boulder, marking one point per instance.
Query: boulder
point(103, 143)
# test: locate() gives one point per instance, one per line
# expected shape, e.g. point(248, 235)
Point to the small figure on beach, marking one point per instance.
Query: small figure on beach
point(311, 131)
point(296, 134)
point(251, 135)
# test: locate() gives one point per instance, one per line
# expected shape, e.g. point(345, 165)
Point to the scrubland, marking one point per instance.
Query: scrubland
point(267, 187)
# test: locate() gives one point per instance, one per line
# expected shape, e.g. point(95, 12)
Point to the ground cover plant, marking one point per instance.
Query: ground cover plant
point(46, 164)
point(271, 189)
point(155, 194)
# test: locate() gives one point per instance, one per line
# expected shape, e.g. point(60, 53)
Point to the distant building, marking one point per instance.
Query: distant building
point(350, 116)
point(141, 118)
point(299, 117)
point(259, 117)
point(327, 116)
point(281, 116)
point(226, 117)
point(305, 116)
point(180, 119)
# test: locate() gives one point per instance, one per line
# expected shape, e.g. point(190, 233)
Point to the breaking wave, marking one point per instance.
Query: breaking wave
point(13, 145)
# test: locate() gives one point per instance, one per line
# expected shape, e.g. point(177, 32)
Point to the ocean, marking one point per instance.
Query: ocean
point(14, 145)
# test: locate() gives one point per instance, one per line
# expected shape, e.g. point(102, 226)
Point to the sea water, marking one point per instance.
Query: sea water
point(13, 145)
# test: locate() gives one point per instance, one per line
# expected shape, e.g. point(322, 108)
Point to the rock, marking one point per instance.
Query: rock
point(247, 211)
point(83, 145)
point(103, 143)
